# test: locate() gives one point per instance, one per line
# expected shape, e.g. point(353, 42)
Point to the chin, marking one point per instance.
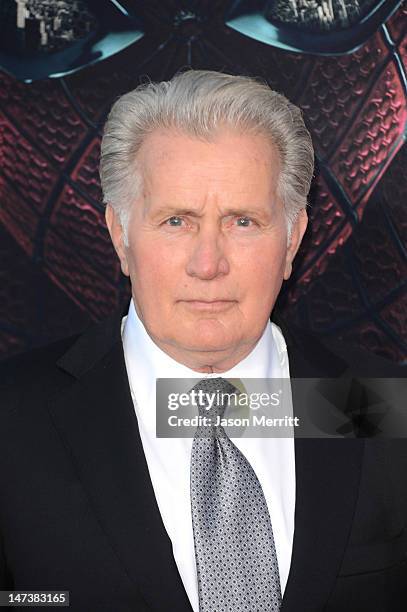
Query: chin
point(210, 336)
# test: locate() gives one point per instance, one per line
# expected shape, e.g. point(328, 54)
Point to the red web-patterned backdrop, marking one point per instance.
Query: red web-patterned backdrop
point(58, 269)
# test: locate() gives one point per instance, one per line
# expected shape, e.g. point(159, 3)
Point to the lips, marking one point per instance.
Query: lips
point(209, 305)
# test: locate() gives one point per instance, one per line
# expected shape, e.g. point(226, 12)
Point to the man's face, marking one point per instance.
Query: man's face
point(207, 247)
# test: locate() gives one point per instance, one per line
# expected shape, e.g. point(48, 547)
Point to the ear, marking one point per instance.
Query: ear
point(298, 230)
point(116, 234)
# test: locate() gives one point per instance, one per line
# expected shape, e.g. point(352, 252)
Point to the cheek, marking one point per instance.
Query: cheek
point(155, 267)
point(260, 278)
point(261, 265)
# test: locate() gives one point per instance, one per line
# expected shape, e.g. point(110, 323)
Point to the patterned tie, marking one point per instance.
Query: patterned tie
point(234, 545)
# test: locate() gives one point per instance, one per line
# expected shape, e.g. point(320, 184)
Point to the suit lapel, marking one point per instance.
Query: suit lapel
point(327, 483)
point(96, 420)
point(327, 479)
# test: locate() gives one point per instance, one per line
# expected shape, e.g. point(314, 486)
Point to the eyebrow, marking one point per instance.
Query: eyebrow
point(247, 212)
point(179, 211)
point(175, 211)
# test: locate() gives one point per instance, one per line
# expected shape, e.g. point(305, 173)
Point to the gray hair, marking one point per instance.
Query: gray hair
point(198, 102)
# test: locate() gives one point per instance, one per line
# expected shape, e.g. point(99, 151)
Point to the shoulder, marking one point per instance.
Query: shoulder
point(32, 372)
point(363, 362)
point(33, 376)
point(320, 355)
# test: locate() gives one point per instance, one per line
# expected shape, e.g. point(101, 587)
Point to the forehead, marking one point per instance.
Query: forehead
point(234, 160)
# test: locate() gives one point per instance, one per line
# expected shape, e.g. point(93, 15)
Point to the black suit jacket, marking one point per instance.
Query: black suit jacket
point(78, 512)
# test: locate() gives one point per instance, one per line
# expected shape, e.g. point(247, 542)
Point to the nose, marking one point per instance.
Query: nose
point(208, 259)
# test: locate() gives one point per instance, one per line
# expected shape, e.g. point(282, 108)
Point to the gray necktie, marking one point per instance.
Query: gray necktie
point(234, 545)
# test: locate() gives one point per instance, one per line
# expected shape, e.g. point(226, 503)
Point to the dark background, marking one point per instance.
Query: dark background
point(58, 270)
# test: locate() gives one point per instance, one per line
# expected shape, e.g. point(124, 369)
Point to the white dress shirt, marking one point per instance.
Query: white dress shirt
point(168, 459)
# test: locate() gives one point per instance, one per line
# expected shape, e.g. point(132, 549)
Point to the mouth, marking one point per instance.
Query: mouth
point(209, 305)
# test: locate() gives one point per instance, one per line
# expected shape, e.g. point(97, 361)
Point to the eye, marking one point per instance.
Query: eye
point(174, 221)
point(244, 221)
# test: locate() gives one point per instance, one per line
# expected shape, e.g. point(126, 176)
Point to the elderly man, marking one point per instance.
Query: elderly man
point(205, 178)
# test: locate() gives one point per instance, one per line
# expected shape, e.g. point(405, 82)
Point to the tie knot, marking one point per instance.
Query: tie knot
point(213, 395)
